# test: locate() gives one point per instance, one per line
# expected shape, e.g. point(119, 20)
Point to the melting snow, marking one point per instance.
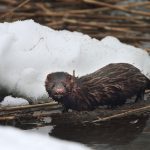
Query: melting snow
point(15, 139)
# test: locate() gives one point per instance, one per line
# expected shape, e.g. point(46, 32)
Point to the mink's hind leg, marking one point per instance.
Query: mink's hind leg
point(116, 103)
point(140, 96)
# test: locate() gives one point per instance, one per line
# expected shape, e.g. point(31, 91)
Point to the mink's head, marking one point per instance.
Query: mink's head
point(58, 85)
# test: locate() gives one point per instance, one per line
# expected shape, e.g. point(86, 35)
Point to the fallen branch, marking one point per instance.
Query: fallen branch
point(122, 114)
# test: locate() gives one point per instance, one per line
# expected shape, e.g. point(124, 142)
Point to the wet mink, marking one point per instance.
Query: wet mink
point(111, 85)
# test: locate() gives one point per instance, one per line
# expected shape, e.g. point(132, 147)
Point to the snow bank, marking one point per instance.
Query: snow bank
point(29, 51)
point(14, 139)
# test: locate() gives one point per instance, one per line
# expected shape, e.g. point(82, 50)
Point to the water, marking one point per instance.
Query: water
point(121, 134)
point(129, 133)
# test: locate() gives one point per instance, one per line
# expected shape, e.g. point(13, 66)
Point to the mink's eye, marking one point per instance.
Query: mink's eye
point(64, 84)
point(51, 85)
point(68, 87)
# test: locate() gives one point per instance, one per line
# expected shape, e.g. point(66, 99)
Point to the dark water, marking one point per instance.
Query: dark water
point(130, 133)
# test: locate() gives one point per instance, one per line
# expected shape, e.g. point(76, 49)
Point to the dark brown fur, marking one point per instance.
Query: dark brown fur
point(111, 85)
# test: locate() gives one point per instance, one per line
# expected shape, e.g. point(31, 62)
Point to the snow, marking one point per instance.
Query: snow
point(29, 51)
point(11, 101)
point(15, 139)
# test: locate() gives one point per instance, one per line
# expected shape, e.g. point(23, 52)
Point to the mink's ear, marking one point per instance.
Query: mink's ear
point(48, 77)
point(69, 77)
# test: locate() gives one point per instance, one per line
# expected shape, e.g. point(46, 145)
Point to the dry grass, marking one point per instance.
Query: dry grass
point(130, 22)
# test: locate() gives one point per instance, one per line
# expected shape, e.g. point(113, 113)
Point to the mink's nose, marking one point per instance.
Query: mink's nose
point(60, 91)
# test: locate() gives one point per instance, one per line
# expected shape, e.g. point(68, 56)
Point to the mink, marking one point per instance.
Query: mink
point(111, 85)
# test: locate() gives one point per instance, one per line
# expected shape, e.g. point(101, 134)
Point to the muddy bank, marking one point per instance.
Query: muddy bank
point(50, 114)
point(101, 114)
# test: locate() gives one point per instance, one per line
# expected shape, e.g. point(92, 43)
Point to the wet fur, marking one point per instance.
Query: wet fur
point(111, 85)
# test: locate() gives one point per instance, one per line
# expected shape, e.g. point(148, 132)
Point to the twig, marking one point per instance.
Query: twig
point(14, 9)
point(28, 106)
point(136, 4)
point(6, 118)
point(122, 114)
point(98, 3)
point(94, 24)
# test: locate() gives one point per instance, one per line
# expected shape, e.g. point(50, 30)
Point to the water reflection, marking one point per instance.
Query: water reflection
point(115, 134)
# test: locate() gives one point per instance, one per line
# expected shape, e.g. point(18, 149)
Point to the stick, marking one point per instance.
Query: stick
point(122, 114)
point(98, 3)
point(5, 118)
point(27, 106)
point(14, 9)
point(135, 4)
point(94, 24)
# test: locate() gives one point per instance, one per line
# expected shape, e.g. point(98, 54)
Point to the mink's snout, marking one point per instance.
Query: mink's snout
point(58, 91)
